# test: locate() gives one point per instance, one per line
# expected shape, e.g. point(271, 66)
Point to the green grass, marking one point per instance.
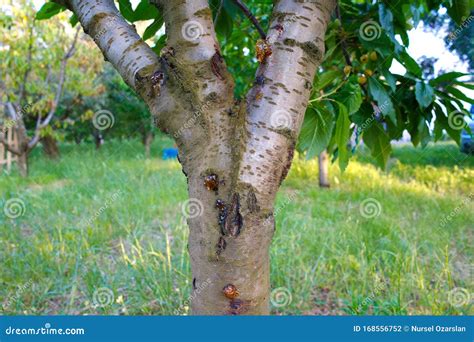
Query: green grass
point(112, 219)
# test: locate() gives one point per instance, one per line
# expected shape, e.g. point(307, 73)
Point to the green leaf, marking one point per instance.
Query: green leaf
point(416, 12)
point(224, 23)
point(160, 44)
point(442, 122)
point(48, 10)
point(464, 84)
point(316, 131)
point(342, 135)
point(378, 142)
point(409, 63)
point(73, 20)
point(424, 133)
point(326, 78)
point(145, 11)
point(391, 80)
point(350, 95)
point(424, 94)
point(386, 18)
point(459, 94)
point(460, 10)
point(383, 44)
point(153, 28)
point(382, 98)
point(125, 8)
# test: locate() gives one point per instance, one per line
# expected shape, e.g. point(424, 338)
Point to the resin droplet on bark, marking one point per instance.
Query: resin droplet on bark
point(211, 182)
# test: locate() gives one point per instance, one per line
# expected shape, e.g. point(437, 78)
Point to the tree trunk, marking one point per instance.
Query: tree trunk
point(147, 141)
point(98, 139)
point(23, 164)
point(50, 147)
point(324, 170)
point(229, 240)
point(235, 154)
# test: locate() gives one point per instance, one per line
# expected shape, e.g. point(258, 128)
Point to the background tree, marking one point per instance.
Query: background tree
point(37, 66)
point(236, 153)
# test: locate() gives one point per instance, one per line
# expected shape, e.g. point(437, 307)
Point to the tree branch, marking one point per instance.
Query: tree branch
point(251, 17)
point(62, 78)
point(343, 40)
point(40, 124)
point(196, 72)
point(118, 41)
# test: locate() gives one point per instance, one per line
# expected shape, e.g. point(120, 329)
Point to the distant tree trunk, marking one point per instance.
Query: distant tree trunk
point(98, 139)
point(23, 164)
point(50, 147)
point(324, 170)
point(147, 141)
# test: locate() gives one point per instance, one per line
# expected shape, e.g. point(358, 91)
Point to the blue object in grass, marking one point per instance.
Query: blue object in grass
point(170, 153)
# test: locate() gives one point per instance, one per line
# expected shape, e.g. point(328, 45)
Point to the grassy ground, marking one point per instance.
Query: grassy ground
point(103, 233)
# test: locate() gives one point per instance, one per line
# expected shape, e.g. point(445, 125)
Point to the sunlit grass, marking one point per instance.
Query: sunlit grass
point(112, 219)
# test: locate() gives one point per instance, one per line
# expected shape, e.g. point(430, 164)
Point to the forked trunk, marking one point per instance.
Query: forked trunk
point(324, 170)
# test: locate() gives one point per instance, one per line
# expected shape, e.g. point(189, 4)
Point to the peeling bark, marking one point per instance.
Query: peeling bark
point(235, 154)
